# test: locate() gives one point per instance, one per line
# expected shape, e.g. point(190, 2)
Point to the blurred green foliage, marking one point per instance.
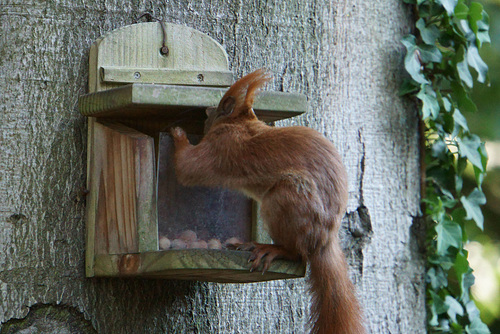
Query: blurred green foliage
point(486, 123)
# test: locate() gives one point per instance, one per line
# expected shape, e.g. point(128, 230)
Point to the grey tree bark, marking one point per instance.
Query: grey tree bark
point(344, 55)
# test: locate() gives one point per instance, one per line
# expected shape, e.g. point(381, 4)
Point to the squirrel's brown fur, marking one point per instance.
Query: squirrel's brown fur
point(300, 182)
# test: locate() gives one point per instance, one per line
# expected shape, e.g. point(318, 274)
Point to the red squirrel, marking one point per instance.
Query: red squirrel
point(299, 180)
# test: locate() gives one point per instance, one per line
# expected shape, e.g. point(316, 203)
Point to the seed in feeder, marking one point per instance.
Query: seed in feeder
point(214, 244)
point(165, 242)
point(178, 244)
point(188, 236)
point(233, 241)
point(199, 244)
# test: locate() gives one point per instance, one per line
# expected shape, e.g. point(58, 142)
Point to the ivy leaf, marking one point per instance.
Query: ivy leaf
point(461, 165)
point(438, 303)
point(449, 234)
point(430, 53)
point(463, 67)
point(475, 61)
point(409, 41)
point(475, 14)
point(430, 105)
point(445, 262)
point(464, 274)
point(472, 310)
point(479, 173)
point(464, 74)
point(440, 150)
point(477, 327)
point(437, 278)
point(460, 120)
point(454, 308)
point(462, 97)
point(429, 34)
point(446, 104)
point(468, 280)
point(433, 318)
point(483, 27)
point(468, 147)
point(461, 10)
point(412, 59)
point(479, 22)
point(449, 5)
point(408, 87)
point(466, 30)
point(484, 158)
point(458, 214)
point(472, 204)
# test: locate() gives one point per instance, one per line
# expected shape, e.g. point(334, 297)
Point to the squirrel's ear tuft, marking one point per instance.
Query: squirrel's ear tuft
point(255, 81)
point(226, 105)
point(241, 94)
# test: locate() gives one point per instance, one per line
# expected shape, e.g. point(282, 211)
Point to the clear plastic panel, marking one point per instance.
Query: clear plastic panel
point(197, 217)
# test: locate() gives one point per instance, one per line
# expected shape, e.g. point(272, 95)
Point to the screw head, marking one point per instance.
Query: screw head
point(137, 75)
point(164, 50)
point(200, 77)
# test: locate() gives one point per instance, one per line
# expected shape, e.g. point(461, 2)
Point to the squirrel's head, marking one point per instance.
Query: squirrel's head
point(238, 100)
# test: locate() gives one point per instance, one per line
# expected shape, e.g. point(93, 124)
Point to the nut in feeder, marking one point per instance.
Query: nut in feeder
point(140, 220)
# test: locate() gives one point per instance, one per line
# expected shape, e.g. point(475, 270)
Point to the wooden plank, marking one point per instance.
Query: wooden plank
point(145, 180)
point(174, 102)
point(101, 229)
point(132, 198)
point(137, 46)
point(93, 69)
point(110, 200)
point(117, 74)
point(129, 181)
point(224, 266)
point(125, 193)
point(91, 202)
point(119, 190)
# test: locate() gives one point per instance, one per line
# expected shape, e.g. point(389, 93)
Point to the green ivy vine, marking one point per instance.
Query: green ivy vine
point(439, 59)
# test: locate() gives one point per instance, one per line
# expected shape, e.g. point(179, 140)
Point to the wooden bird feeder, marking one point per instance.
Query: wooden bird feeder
point(143, 79)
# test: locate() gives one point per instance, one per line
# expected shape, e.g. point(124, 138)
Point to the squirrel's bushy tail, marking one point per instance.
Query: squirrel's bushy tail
point(335, 309)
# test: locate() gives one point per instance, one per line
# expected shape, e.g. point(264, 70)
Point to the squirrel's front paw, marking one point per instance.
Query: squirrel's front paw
point(178, 134)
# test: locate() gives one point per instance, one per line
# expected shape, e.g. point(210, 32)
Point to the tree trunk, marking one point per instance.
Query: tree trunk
point(344, 55)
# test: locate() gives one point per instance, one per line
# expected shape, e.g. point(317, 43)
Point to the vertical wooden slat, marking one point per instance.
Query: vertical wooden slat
point(129, 194)
point(133, 247)
point(92, 201)
point(110, 195)
point(101, 229)
point(123, 194)
point(146, 187)
point(126, 194)
point(118, 185)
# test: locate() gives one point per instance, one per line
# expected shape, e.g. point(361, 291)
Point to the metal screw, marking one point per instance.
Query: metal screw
point(137, 75)
point(164, 50)
point(200, 77)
